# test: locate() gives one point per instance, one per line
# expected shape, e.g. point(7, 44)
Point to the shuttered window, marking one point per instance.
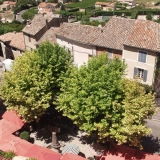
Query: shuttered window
point(142, 56)
point(110, 53)
point(140, 73)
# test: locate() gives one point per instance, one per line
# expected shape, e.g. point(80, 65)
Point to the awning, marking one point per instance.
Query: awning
point(70, 156)
point(14, 118)
point(15, 144)
point(6, 128)
point(41, 153)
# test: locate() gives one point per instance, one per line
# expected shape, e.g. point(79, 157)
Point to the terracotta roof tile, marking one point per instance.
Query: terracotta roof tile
point(80, 33)
point(6, 2)
point(144, 35)
point(15, 39)
point(49, 35)
point(42, 5)
point(115, 32)
point(36, 25)
point(12, 3)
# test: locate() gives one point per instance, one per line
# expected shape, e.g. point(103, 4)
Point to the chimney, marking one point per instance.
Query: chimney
point(100, 26)
point(28, 22)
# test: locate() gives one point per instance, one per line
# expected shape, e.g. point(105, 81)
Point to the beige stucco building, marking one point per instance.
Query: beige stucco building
point(36, 28)
point(79, 40)
point(106, 6)
point(12, 45)
point(134, 41)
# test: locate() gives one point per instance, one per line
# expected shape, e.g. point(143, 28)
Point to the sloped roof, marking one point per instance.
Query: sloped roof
point(42, 5)
point(15, 39)
point(12, 3)
point(49, 35)
point(36, 25)
point(6, 2)
point(115, 33)
point(80, 33)
point(144, 35)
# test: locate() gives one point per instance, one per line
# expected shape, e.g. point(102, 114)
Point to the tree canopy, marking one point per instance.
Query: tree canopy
point(34, 80)
point(99, 99)
point(29, 14)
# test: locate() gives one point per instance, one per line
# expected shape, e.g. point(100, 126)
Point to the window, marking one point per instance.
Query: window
point(110, 53)
point(142, 56)
point(140, 73)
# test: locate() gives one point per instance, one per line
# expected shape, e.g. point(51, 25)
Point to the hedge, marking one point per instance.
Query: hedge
point(144, 12)
point(109, 13)
point(103, 13)
point(73, 10)
point(134, 15)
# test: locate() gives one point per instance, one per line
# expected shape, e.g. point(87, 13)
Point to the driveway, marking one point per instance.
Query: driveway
point(19, 15)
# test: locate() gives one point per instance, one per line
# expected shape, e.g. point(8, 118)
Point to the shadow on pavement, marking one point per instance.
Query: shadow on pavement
point(151, 144)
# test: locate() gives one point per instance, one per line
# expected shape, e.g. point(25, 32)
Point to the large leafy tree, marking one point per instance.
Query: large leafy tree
point(99, 99)
point(34, 81)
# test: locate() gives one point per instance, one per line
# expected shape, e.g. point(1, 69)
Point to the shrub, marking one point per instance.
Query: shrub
point(90, 158)
point(149, 16)
point(73, 10)
point(9, 154)
point(24, 135)
point(147, 88)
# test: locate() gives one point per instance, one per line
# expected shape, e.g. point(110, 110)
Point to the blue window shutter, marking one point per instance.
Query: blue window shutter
point(139, 57)
point(135, 72)
point(142, 56)
point(145, 75)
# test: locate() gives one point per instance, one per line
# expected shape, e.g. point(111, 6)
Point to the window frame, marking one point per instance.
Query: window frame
point(139, 51)
point(140, 75)
point(136, 73)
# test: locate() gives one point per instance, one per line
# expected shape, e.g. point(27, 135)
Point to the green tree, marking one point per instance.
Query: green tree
point(34, 80)
point(1, 1)
point(98, 99)
point(29, 14)
point(22, 3)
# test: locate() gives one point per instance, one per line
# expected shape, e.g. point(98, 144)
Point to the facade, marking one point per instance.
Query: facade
point(79, 40)
point(4, 7)
point(46, 7)
point(106, 6)
point(140, 63)
point(35, 29)
point(12, 45)
point(7, 5)
point(12, 4)
point(132, 41)
point(129, 2)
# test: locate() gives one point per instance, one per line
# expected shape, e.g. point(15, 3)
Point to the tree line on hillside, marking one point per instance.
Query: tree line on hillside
point(96, 96)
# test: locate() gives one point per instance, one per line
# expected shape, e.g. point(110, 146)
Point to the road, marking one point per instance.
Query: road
point(19, 15)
